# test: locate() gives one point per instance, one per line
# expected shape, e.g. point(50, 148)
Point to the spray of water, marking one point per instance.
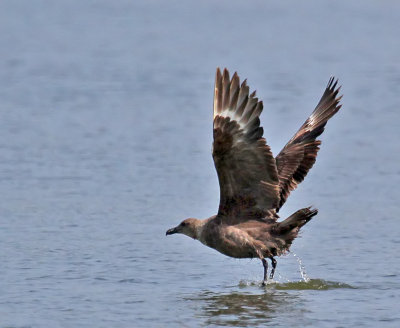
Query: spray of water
point(282, 278)
point(302, 269)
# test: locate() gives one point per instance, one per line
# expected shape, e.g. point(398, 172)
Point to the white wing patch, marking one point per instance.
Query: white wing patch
point(233, 116)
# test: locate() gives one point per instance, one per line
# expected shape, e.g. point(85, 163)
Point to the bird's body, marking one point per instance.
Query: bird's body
point(244, 240)
point(253, 184)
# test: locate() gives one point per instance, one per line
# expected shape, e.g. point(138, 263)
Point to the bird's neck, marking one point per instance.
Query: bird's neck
point(200, 224)
point(199, 228)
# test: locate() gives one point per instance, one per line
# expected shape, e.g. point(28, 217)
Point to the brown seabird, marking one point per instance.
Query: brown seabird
point(253, 184)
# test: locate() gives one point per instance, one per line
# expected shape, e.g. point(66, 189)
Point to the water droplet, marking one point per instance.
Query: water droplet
point(302, 269)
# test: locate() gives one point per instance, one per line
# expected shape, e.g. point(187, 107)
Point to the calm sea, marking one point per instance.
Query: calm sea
point(105, 143)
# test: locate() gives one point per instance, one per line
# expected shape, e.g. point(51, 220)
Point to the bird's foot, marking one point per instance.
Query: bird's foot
point(264, 283)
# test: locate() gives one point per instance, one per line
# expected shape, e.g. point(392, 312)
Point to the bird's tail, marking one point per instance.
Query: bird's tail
point(287, 230)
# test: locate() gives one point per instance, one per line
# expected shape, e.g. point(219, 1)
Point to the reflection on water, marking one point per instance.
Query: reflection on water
point(239, 309)
point(254, 304)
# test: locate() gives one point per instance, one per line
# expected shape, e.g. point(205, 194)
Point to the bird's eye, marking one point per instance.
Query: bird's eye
point(183, 224)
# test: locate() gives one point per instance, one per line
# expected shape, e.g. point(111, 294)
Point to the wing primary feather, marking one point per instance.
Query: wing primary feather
point(234, 91)
point(299, 154)
point(257, 111)
point(226, 89)
point(218, 92)
point(242, 106)
point(243, 94)
point(251, 106)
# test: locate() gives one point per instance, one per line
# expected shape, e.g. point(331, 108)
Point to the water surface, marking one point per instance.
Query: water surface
point(105, 139)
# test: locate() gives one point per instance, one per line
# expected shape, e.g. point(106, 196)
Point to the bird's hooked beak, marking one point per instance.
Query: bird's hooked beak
point(172, 231)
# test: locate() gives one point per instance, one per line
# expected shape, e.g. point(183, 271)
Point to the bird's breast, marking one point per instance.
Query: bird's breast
point(229, 241)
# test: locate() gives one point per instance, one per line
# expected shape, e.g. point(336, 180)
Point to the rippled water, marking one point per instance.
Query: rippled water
point(105, 138)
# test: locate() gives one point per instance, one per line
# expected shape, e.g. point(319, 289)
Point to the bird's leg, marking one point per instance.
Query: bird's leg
point(274, 262)
point(265, 265)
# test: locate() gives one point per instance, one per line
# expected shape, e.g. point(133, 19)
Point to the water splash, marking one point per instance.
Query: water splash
point(306, 283)
point(302, 269)
point(282, 278)
point(311, 284)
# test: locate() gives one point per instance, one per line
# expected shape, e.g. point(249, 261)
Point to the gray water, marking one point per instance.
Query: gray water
point(105, 139)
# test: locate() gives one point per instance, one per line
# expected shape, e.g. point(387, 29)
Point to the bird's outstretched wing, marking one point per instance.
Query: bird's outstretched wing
point(246, 168)
point(298, 156)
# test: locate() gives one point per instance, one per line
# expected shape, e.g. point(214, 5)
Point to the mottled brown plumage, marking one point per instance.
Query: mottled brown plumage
point(253, 184)
point(299, 155)
point(247, 173)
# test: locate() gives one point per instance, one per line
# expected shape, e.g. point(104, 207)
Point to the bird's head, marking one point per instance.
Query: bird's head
point(189, 227)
